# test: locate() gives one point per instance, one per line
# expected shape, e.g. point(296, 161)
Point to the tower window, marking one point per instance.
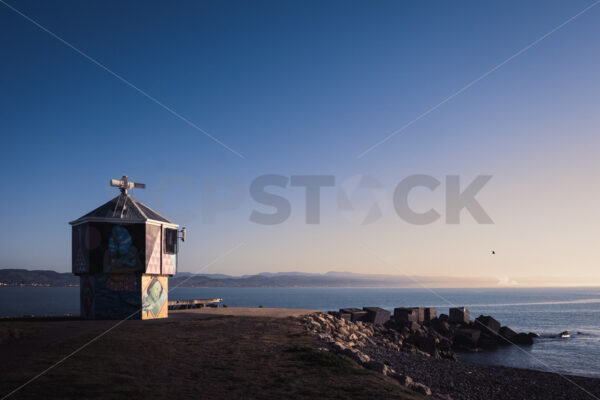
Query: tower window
point(170, 241)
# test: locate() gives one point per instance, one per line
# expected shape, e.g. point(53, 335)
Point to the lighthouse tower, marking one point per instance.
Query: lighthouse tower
point(124, 253)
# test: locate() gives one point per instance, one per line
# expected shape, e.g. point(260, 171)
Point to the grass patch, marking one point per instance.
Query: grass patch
point(313, 358)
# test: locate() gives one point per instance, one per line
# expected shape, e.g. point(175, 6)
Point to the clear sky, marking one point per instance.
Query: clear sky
point(304, 88)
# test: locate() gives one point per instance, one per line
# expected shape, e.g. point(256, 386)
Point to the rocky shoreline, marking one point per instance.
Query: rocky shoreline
point(416, 348)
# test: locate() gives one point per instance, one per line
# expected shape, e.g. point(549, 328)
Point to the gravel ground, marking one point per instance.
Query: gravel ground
point(462, 380)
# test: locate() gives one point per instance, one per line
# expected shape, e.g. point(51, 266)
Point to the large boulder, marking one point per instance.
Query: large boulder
point(420, 388)
point(427, 344)
point(356, 355)
point(445, 348)
point(487, 323)
point(377, 315)
point(467, 337)
point(459, 315)
point(404, 380)
point(523, 339)
point(410, 326)
point(409, 383)
point(441, 327)
point(379, 367)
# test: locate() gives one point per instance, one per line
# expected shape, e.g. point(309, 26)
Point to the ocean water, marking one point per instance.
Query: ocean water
point(544, 311)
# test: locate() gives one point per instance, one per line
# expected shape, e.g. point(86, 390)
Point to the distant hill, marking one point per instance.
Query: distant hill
point(23, 277)
point(329, 279)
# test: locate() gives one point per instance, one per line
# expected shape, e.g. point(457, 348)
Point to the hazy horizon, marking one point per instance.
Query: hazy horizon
point(415, 281)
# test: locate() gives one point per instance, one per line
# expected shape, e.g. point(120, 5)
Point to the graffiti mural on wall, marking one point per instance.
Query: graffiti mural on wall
point(154, 296)
point(109, 248)
point(113, 261)
point(110, 296)
point(121, 255)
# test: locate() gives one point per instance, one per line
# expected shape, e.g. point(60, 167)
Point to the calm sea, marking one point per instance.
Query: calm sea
point(545, 311)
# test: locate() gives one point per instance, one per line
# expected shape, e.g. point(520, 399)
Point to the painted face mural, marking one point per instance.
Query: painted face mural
point(121, 255)
point(154, 298)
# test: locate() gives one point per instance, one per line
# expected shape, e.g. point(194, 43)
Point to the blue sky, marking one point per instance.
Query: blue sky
point(303, 88)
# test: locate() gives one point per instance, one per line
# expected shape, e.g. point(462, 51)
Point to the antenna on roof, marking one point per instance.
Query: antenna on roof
point(124, 185)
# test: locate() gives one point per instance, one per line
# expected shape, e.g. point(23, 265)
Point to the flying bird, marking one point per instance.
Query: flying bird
point(493, 252)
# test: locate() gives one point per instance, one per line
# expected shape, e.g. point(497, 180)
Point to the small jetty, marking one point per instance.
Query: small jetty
point(194, 303)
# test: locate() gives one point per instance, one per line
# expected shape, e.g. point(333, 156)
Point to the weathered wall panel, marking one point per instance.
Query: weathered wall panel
point(153, 249)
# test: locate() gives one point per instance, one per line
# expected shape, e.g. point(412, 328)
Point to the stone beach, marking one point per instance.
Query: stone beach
point(417, 348)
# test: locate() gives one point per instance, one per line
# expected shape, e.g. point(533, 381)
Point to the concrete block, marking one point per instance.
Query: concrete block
point(404, 314)
point(337, 314)
point(359, 316)
point(349, 310)
point(356, 314)
point(487, 324)
point(346, 316)
point(430, 313)
point(377, 315)
point(420, 314)
point(459, 315)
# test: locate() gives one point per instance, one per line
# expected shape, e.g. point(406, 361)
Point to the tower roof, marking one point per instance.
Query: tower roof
point(123, 209)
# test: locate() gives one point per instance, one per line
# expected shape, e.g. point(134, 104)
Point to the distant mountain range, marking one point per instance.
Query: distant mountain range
point(329, 279)
point(22, 277)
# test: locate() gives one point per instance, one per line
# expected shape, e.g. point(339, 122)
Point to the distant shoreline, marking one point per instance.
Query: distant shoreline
point(332, 279)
